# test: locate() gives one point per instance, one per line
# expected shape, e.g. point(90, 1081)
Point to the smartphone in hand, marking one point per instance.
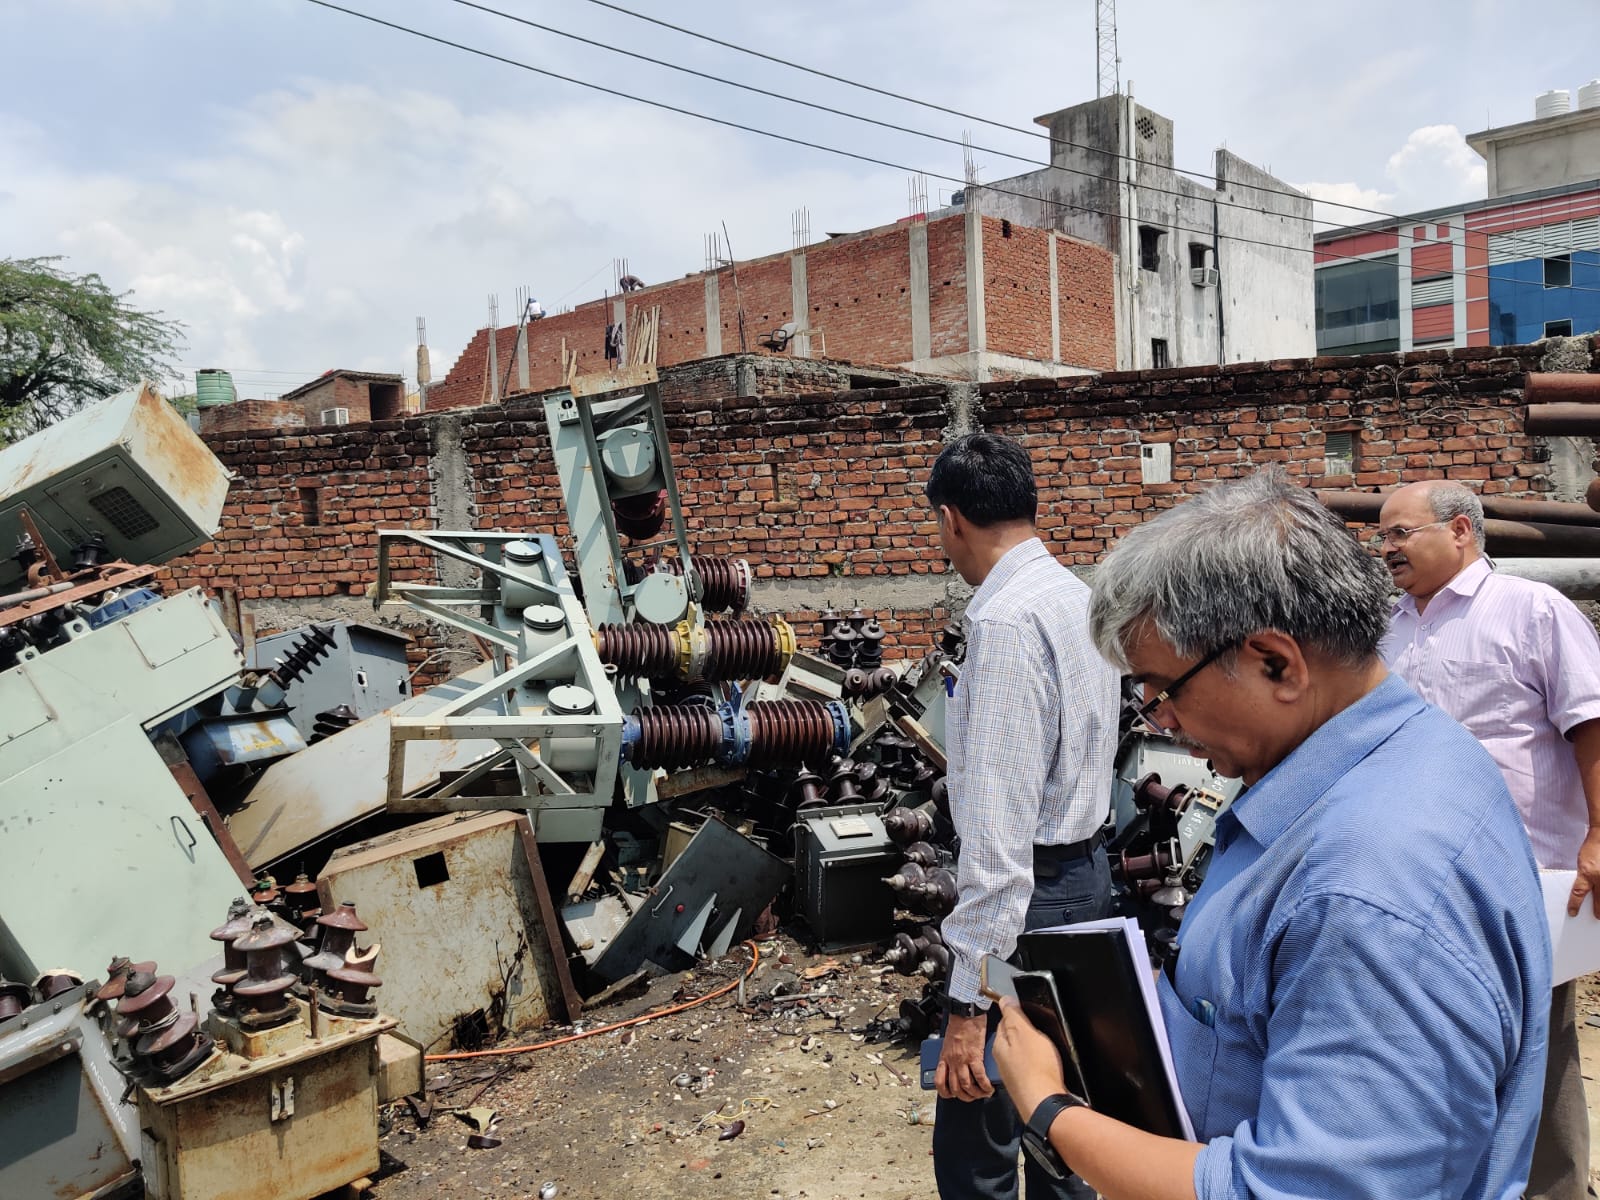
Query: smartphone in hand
point(1037, 997)
point(994, 978)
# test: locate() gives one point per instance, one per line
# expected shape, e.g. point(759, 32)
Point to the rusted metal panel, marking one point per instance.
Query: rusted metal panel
point(190, 783)
point(468, 926)
point(63, 1131)
point(293, 1126)
point(336, 782)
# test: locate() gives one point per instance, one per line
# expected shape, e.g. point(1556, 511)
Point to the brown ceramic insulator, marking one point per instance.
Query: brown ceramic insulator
point(307, 651)
point(905, 954)
point(263, 994)
point(146, 1004)
point(742, 650)
point(637, 651)
point(640, 517)
point(349, 992)
point(855, 684)
point(676, 735)
point(167, 1055)
point(51, 984)
point(939, 794)
point(724, 582)
point(117, 977)
point(880, 680)
point(1145, 866)
point(301, 899)
point(229, 932)
point(1149, 792)
point(951, 638)
point(789, 732)
point(842, 782)
point(869, 650)
point(839, 644)
point(938, 893)
point(858, 620)
point(808, 790)
point(265, 892)
point(339, 929)
point(888, 748)
point(14, 997)
point(908, 879)
point(907, 826)
point(936, 962)
point(922, 854)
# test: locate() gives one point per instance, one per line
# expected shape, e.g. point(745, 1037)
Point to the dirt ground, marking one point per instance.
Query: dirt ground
point(827, 1112)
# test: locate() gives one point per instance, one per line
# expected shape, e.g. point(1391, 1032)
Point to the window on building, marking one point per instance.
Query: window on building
point(1339, 452)
point(1158, 353)
point(1199, 256)
point(1358, 307)
point(1558, 271)
point(1557, 329)
point(1150, 247)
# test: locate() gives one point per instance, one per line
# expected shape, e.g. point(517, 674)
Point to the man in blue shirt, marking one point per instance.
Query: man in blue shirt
point(1360, 1000)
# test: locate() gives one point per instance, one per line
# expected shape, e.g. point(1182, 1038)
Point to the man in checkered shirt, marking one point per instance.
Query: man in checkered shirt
point(1031, 735)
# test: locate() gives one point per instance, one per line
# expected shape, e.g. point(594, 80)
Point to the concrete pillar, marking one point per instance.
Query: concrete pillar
point(1403, 258)
point(713, 315)
point(800, 305)
point(921, 328)
point(977, 332)
point(522, 357)
point(619, 316)
point(1055, 303)
point(450, 475)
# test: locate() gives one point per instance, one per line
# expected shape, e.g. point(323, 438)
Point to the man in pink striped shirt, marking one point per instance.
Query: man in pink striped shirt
point(1518, 665)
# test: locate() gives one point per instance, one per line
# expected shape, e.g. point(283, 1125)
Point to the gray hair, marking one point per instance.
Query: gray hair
point(1245, 556)
point(1451, 500)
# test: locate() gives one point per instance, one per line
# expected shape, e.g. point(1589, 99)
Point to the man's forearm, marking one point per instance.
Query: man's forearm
point(1124, 1163)
point(1586, 749)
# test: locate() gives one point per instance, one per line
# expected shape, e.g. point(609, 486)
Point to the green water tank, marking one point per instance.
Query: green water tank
point(213, 386)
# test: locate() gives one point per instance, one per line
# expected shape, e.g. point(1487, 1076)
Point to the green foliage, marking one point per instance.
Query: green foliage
point(68, 340)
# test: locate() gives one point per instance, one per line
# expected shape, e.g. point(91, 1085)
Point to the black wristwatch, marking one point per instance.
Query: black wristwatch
point(962, 1008)
point(1036, 1133)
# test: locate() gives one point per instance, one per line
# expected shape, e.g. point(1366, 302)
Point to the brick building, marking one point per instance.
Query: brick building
point(960, 295)
point(814, 471)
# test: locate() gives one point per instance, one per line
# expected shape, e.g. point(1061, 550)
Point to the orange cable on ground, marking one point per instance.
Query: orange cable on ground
point(501, 1051)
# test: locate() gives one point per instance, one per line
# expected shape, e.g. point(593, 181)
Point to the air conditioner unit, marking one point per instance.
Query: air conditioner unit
point(1204, 276)
point(335, 416)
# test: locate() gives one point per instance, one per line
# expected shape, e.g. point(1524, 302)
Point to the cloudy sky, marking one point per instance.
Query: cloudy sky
point(297, 186)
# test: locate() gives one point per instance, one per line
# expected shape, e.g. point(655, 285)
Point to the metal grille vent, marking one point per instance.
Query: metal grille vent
point(1146, 128)
point(125, 514)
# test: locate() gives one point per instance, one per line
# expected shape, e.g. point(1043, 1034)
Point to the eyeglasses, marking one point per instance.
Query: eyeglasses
point(1399, 535)
point(1145, 713)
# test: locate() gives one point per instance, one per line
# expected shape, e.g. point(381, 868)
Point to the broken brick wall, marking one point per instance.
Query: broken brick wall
point(821, 487)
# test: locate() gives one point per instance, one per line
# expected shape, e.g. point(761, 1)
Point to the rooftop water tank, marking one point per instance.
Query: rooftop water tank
point(1552, 104)
point(212, 387)
point(1589, 94)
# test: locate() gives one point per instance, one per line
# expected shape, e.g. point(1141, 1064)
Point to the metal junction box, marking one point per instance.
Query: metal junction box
point(842, 856)
point(467, 923)
point(292, 1125)
point(129, 468)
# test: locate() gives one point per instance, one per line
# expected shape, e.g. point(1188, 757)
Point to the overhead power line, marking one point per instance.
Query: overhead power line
point(1266, 189)
point(802, 142)
point(935, 137)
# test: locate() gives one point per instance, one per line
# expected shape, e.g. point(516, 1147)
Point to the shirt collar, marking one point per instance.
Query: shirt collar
point(1286, 792)
point(1012, 561)
point(1464, 583)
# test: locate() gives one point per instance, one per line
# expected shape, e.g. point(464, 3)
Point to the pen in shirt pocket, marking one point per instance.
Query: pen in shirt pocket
point(1204, 1011)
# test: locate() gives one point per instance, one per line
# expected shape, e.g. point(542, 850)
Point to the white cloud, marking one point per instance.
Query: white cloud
point(334, 214)
point(1433, 168)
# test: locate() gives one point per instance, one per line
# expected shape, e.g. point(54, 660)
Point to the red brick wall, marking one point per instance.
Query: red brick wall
point(766, 295)
point(304, 509)
point(947, 286)
point(820, 485)
point(252, 414)
point(1457, 414)
point(1085, 277)
point(860, 294)
point(1016, 288)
